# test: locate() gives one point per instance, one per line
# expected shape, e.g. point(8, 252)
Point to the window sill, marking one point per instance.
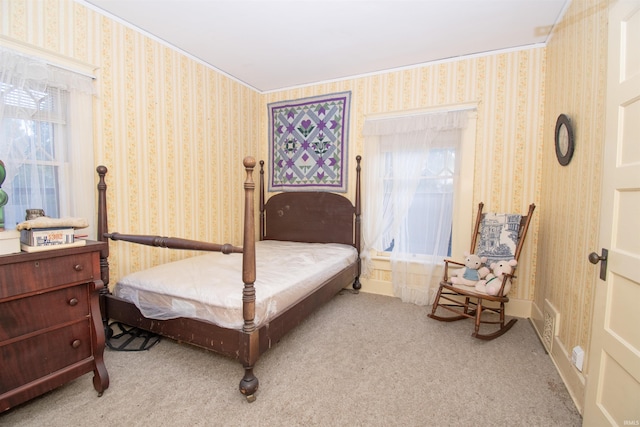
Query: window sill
point(383, 262)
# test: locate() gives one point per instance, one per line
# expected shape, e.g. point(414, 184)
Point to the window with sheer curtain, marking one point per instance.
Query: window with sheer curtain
point(411, 189)
point(429, 198)
point(46, 139)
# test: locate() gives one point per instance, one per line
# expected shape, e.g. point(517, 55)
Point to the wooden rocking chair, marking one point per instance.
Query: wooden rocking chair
point(467, 302)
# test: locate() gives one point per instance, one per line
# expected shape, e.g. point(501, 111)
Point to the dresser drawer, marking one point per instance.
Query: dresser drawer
point(29, 276)
point(22, 316)
point(33, 358)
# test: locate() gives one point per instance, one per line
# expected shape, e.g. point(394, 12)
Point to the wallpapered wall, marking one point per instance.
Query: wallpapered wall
point(173, 134)
point(570, 196)
point(172, 131)
point(508, 91)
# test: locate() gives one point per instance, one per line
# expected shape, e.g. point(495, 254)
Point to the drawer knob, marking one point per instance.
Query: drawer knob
point(73, 302)
point(77, 267)
point(75, 343)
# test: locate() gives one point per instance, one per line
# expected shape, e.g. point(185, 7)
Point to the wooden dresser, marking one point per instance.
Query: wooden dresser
point(51, 329)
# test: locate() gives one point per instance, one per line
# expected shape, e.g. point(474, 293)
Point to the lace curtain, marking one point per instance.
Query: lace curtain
point(46, 137)
point(397, 151)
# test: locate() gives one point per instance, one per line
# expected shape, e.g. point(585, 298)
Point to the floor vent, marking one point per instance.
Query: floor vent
point(551, 325)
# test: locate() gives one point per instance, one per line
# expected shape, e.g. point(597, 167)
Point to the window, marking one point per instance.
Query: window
point(418, 183)
point(35, 123)
point(45, 139)
point(434, 193)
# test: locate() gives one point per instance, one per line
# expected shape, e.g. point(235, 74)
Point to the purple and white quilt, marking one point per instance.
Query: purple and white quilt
point(308, 143)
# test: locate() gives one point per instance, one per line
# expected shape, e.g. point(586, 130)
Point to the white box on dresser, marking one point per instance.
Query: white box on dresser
point(9, 242)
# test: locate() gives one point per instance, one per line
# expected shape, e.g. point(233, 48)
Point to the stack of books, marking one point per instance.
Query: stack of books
point(44, 239)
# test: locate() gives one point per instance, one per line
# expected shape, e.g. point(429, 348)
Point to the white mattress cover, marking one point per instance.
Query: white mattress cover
point(209, 287)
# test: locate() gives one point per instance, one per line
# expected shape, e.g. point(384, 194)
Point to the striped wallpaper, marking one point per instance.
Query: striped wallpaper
point(570, 196)
point(173, 133)
point(508, 90)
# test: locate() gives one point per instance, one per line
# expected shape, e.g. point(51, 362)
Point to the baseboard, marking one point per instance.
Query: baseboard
point(546, 322)
point(518, 308)
point(378, 287)
point(537, 320)
point(574, 380)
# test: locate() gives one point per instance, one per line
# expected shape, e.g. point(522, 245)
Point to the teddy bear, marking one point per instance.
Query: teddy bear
point(473, 270)
point(490, 285)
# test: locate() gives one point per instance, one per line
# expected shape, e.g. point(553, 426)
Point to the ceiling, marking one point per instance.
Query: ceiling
point(272, 45)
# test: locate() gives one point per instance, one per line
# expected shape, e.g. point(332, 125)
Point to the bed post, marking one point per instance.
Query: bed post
point(356, 283)
point(102, 230)
point(250, 342)
point(262, 200)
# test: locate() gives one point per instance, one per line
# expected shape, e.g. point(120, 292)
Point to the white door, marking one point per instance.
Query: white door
point(613, 381)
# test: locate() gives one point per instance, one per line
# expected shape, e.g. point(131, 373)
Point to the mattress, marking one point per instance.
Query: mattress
point(209, 287)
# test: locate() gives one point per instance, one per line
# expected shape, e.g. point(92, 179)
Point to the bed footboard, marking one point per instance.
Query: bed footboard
point(248, 341)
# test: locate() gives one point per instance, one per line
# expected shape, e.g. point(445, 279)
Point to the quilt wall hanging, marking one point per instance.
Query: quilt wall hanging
point(308, 143)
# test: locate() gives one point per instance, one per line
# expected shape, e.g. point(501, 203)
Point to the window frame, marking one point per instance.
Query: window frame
point(77, 165)
point(463, 195)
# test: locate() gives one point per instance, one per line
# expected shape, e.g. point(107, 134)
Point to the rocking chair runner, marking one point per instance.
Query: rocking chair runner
point(467, 302)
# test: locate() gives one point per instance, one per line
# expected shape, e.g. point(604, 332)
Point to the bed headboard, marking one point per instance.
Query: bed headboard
point(316, 217)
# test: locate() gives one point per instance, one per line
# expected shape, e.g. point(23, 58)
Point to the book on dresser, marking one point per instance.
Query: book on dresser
point(45, 239)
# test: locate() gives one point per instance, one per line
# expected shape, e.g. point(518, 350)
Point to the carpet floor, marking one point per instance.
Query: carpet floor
point(361, 360)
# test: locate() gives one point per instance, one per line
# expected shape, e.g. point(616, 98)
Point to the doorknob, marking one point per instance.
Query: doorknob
point(594, 258)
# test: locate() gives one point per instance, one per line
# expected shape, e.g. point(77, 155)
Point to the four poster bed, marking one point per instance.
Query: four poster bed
point(239, 301)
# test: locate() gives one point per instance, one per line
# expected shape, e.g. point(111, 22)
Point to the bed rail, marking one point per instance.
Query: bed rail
point(174, 243)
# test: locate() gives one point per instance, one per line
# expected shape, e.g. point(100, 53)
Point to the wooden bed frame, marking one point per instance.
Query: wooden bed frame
point(291, 216)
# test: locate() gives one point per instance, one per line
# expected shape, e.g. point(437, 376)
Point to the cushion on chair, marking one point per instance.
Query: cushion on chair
point(498, 236)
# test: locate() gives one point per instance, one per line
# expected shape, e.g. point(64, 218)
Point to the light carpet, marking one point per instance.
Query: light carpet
point(361, 360)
